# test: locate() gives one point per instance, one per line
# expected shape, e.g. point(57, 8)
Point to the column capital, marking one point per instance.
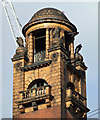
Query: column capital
point(30, 34)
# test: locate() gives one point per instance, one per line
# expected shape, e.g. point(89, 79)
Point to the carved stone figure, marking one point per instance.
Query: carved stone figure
point(56, 32)
point(20, 41)
point(78, 48)
point(78, 56)
point(21, 50)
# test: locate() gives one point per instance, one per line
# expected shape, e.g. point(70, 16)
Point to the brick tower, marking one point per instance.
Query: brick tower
point(48, 75)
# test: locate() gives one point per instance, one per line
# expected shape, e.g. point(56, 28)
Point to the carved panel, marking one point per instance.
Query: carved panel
point(18, 65)
point(54, 56)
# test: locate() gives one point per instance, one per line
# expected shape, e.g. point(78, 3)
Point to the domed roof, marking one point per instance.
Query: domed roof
point(49, 13)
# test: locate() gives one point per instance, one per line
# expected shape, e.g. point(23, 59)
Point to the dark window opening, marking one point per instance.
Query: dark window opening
point(27, 105)
point(70, 85)
point(37, 83)
point(39, 45)
point(40, 40)
point(67, 41)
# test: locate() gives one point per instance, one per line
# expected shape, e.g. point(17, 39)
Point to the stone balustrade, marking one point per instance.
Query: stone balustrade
point(73, 95)
point(35, 92)
point(40, 56)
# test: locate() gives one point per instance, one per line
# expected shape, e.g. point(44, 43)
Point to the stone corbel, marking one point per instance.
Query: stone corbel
point(84, 116)
point(77, 110)
point(35, 107)
point(48, 102)
point(21, 108)
point(69, 104)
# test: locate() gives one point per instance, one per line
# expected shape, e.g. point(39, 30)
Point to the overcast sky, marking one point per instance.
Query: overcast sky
point(84, 15)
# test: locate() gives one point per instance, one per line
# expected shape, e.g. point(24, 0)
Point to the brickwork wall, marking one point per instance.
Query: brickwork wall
point(51, 74)
point(18, 83)
point(64, 80)
point(55, 74)
point(52, 112)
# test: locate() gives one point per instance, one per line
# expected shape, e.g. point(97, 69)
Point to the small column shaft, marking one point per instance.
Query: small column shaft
point(30, 48)
point(47, 41)
point(72, 49)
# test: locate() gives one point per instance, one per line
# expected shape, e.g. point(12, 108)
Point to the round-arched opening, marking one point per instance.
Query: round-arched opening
point(37, 83)
point(70, 85)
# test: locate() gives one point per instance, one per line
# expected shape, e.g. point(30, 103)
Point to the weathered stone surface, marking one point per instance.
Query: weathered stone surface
point(42, 87)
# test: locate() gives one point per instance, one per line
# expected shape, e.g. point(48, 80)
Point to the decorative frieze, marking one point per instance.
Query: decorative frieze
point(36, 65)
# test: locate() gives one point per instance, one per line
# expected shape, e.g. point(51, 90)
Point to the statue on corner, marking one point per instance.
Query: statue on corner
point(20, 41)
point(78, 56)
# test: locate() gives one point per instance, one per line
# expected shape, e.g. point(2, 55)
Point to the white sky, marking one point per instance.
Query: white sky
point(82, 14)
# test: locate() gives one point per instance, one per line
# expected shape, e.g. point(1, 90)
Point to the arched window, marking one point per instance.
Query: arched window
point(70, 85)
point(37, 93)
point(39, 85)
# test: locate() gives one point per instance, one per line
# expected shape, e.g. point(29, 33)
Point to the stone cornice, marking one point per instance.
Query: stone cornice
point(46, 20)
point(57, 48)
point(19, 57)
point(36, 65)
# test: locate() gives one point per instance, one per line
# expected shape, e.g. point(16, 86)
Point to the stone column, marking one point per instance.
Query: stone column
point(51, 32)
point(71, 77)
point(72, 55)
point(72, 48)
point(80, 92)
point(62, 37)
point(26, 41)
point(34, 49)
point(47, 41)
point(30, 50)
point(34, 44)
